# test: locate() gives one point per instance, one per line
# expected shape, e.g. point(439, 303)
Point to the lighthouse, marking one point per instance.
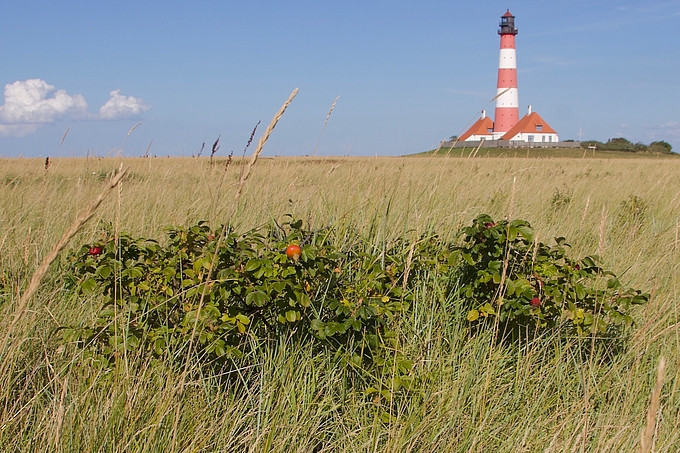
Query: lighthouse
point(507, 128)
point(507, 100)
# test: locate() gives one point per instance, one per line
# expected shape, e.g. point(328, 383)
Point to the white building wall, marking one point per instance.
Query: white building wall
point(537, 137)
point(476, 138)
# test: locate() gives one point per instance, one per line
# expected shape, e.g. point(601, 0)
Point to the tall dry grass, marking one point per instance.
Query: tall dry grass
point(473, 397)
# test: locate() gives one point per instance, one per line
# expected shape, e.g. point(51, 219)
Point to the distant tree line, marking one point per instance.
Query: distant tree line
point(622, 144)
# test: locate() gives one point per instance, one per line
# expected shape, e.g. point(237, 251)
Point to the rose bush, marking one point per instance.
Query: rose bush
point(528, 286)
point(221, 292)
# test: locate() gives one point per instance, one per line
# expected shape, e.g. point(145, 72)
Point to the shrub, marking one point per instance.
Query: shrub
point(622, 144)
point(528, 286)
point(660, 147)
point(222, 290)
point(560, 199)
point(632, 215)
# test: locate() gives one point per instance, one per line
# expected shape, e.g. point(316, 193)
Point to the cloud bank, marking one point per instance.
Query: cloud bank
point(33, 102)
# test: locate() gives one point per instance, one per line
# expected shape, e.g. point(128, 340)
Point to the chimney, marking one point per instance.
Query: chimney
point(529, 109)
point(483, 114)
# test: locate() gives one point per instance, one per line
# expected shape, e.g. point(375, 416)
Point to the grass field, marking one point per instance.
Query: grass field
point(474, 395)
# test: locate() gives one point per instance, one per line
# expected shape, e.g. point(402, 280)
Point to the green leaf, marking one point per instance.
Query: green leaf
point(132, 342)
point(580, 291)
point(253, 265)
point(522, 286)
point(472, 315)
point(613, 283)
point(169, 272)
point(257, 298)
point(641, 299)
point(292, 315)
point(159, 346)
point(405, 365)
point(370, 391)
point(509, 287)
point(103, 271)
point(144, 286)
point(495, 266)
point(588, 319)
point(303, 299)
point(487, 309)
point(243, 319)
point(589, 261)
point(219, 348)
point(133, 272)
point(278, 287)
point(526, 232)
point(89, 285)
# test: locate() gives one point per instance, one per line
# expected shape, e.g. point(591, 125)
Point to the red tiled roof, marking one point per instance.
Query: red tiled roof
point(527, 125)
point(507, 14)
point(481, 127)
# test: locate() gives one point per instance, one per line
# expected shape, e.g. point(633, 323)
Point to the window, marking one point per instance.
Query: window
point(539, 127)
point(530, 138)
point(543, 138)
point(489, 130)
point(549, 138)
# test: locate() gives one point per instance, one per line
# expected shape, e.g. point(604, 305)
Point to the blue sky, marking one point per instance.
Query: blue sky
point(408, 74)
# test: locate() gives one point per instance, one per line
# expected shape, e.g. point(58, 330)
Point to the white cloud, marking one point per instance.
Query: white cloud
point(667, 131)
point(119, 106)
point(17, 130)
point(33, 102)
point(672, 128)
point(29, 102)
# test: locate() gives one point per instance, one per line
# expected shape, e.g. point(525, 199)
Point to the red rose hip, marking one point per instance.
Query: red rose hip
point(293, 252)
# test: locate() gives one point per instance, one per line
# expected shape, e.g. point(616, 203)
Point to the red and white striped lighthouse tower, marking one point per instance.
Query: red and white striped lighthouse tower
point(507, 103)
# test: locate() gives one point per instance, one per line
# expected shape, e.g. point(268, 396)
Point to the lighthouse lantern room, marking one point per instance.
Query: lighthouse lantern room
point(507, 24)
